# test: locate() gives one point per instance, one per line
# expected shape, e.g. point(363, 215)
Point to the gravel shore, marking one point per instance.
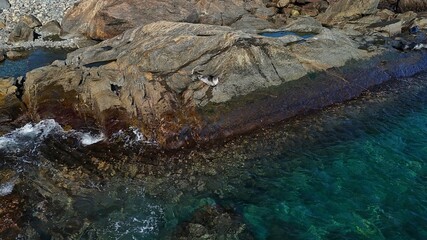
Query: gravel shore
point(44, 10)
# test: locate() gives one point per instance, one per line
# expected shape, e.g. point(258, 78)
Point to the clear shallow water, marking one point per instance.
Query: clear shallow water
point(287, 33)
point(353, 171)
point(38, 57)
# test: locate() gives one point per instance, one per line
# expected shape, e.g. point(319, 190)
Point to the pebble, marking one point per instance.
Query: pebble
point(44, 10)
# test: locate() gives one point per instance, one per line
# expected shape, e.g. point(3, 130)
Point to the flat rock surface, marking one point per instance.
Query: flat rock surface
point(108, 18)
point(162, 75)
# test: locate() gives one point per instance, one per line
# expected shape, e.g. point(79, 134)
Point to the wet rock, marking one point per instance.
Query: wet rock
point(108, 18)
point(11, 212)
point(14, 55)
point(211, 222)
point(10, 204)
point(421, 23)
point(21, 32)
point(342, 10)
point(11, 108)
point(31, 21)
point(51, 28)
point(407, 19)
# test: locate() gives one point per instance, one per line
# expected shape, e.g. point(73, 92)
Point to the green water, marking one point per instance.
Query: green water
point(357, 170)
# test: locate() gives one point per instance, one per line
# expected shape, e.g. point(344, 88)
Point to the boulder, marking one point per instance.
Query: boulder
point(412, 5)
point(31, 21)
point(175, 81)
point(107, 18)
point(10, 106)
point(21, 32)
point(2, 24)
point(283, 3)
point(252, 24)
point(390, 28)
point(342, 10)
point(14, 55)
point(51, 28)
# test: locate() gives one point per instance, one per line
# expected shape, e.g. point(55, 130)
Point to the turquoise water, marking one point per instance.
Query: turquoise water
point(357, 170)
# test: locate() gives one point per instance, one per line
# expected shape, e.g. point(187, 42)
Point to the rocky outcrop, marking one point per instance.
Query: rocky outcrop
point(51, 28)
point(24, 30)
point(342, 10)
point(108, 18)
point(175, 80)
point(31, 21)
point(11, 108)
point(21, 32)
point(412, 5)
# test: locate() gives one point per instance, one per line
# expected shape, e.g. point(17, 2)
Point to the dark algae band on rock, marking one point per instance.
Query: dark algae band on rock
point(312, 92)
point(183, 84)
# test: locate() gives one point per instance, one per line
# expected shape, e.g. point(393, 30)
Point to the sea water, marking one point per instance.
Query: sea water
point(356, 170)
point(38, 57)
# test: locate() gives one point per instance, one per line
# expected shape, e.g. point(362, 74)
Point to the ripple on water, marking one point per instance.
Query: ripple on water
point(353, 171)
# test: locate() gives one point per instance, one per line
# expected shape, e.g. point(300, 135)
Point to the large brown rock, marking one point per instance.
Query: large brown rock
point(342, 10)
point(21, 33)
point(161, 78)
point(107, 18)
point(11, 108)
point(182, 83)
point(412, 5)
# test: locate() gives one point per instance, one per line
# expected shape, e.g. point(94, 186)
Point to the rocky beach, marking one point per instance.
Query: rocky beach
point(196, 119)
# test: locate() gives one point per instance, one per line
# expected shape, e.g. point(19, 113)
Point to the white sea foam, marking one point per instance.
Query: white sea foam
point(88, 139)
point(30, 134)
point(6, 188)
point(131, 137)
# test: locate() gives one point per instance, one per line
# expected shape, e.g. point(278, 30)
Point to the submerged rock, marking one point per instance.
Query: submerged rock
point(211, 222)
